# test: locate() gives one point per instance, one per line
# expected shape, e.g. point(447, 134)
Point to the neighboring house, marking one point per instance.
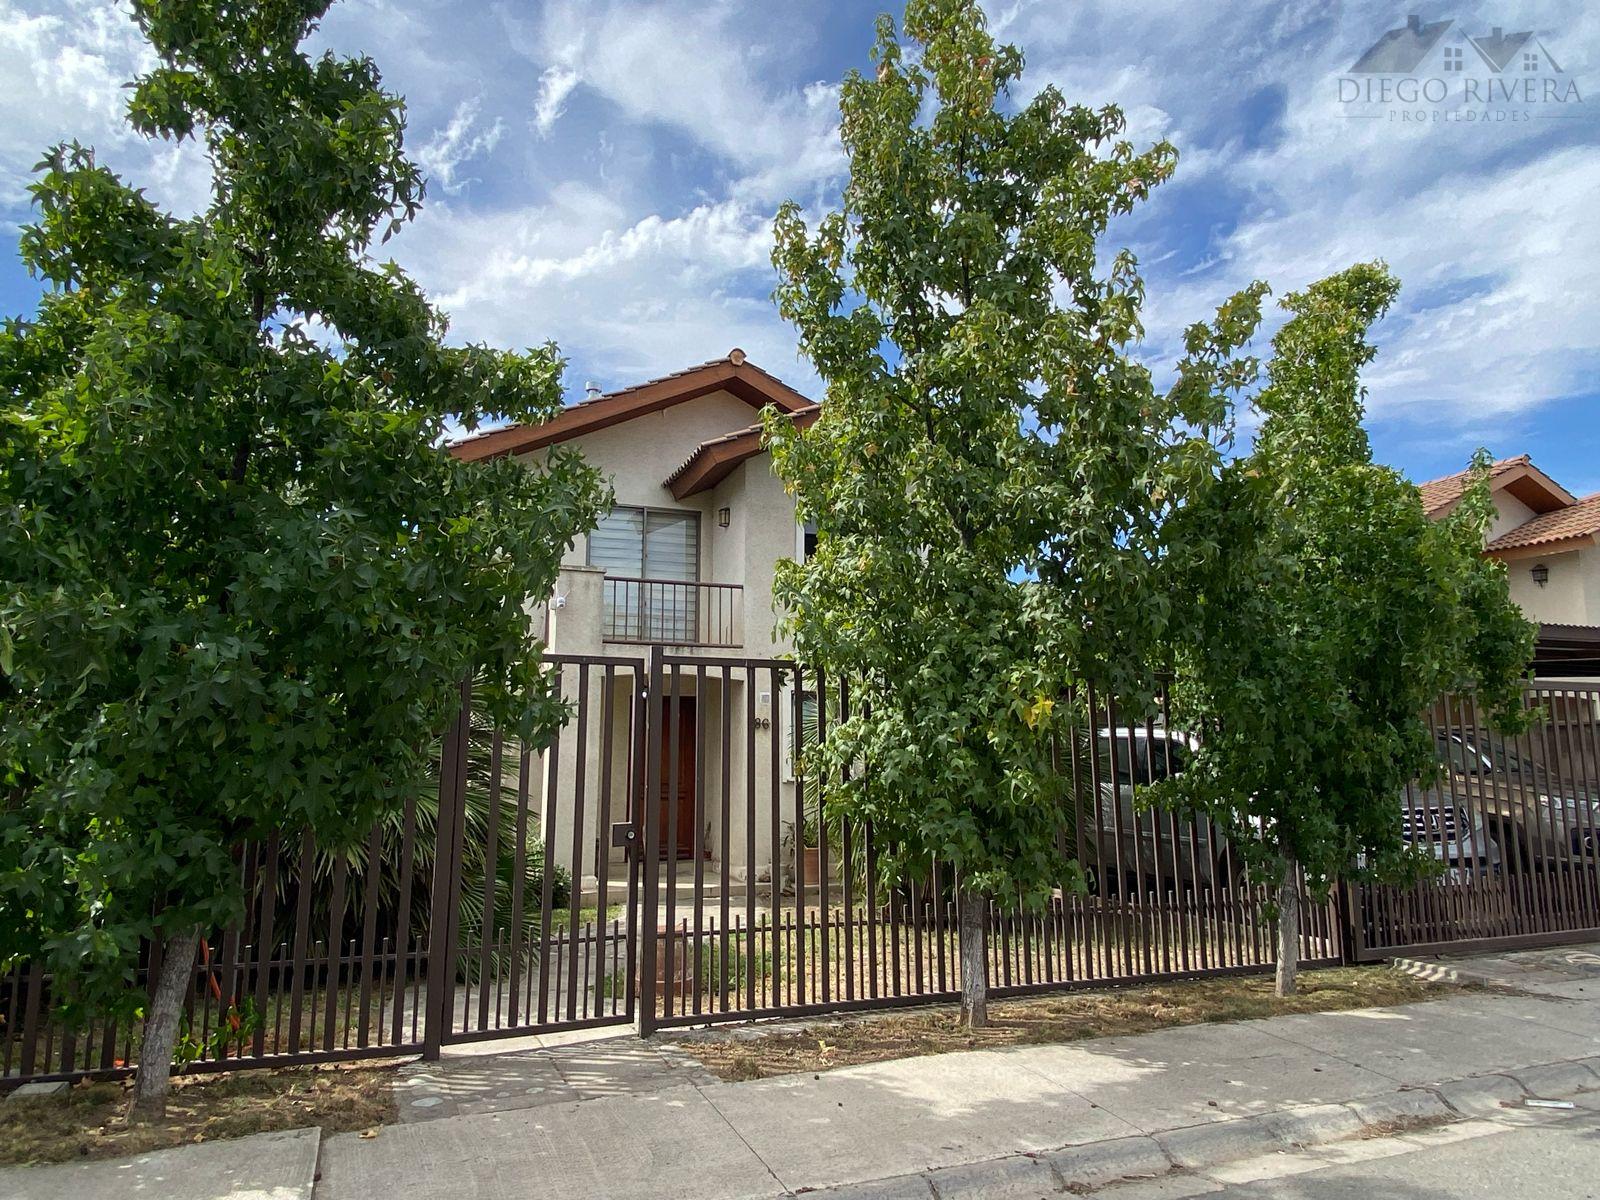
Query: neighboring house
point(1550, 543)
point(685, 560)
point(1418, 48)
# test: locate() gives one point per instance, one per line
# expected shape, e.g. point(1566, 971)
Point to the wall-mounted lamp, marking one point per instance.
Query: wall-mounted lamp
point(724, 515)
point(1540, 574)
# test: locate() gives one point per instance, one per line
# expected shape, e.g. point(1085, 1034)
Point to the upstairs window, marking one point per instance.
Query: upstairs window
point(1452, 58)
point(652, 557)
point(647, 543)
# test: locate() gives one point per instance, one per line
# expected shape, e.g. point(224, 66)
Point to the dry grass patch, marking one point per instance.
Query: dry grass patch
point(88, 1120)
point(754, 1052)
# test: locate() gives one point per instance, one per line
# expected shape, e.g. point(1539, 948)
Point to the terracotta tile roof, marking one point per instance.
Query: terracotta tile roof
point(1436, 493)
point(1577, 520)
point(715, 458)
point(733, 373)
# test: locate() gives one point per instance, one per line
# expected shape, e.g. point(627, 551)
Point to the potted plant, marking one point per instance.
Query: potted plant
point(811, 843)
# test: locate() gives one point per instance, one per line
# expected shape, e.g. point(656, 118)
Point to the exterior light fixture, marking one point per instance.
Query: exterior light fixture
point(1541, 574)
point(724, 515)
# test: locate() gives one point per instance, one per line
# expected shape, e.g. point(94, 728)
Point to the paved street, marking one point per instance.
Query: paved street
point(1557, 1159)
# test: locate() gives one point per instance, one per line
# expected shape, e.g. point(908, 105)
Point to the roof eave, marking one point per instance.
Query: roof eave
point(742, 379)
point(714, 461)
point(1558, 545)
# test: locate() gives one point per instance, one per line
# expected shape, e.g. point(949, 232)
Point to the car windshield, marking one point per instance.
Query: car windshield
point(1466, 756)
point(1140, 759)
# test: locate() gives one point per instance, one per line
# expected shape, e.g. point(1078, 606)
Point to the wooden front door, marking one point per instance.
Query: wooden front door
point(682, 754)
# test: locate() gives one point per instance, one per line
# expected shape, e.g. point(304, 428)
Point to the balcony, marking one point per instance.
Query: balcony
point(675, 612)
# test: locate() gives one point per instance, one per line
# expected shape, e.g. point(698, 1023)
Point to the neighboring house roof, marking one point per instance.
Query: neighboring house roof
point(1515, 475)
point(714, 460)
point(1578, 524)
point(1500, 47)
point(733, 374)
point(1401, 50)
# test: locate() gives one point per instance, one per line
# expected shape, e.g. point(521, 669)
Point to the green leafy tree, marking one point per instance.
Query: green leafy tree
point(239, 582)
point(1319, 611)
point(984, 423)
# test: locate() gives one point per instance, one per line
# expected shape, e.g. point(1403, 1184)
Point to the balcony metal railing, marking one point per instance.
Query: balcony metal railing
point(677, 612)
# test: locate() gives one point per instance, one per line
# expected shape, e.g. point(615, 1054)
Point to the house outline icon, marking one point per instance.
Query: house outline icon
point(1444, 47)
point(1510, 52)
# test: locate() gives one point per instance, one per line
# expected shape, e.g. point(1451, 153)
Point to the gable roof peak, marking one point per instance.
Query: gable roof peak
point(734, 373)
point(1517, 475)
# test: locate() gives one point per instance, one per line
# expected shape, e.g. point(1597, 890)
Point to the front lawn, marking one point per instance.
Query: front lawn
point(87, 1121)
point(756, 1052)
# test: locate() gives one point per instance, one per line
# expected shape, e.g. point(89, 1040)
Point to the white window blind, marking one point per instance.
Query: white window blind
point(671, 545)
point(650, 544)
point(617, 543)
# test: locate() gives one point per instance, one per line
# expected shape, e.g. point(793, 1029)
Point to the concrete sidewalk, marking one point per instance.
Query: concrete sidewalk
point(970, 1120)
point(624, 1118)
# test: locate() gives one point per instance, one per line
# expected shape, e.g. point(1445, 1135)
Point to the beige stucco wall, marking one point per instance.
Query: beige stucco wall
point(1509, 513)
point(637, 455)
point(1571, 596)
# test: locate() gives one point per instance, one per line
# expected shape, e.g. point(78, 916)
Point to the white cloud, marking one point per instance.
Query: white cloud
point(555, 85)
point(630, 298)
point(64, 71)
point(1486, 227)
point(459, 142)
point(702, 69)
point(639, 149)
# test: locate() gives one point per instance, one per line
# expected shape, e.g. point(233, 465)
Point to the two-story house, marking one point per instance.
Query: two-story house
point(685, 560)
point(1550, 542)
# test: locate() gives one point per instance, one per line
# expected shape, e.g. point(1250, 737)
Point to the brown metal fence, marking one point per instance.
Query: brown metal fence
point(662, 863)
point(1513, 821)
point(327, 964)
point(545, 935)
point(753, 918)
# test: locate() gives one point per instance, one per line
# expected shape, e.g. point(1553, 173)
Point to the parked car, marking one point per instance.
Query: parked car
point(1538, 818)
point(1156, 850)
point(1169, 851)
point(1455, 834)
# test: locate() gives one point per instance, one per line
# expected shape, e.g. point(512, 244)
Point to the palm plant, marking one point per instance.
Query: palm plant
point(486, 792)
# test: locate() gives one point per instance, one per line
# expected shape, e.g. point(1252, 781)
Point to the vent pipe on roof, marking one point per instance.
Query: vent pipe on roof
point(591, 390)
point(1497, 33)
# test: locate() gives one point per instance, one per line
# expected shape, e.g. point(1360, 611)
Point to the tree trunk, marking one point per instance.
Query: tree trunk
point(971, 909)
point(1288, 928)
point(150, 1083)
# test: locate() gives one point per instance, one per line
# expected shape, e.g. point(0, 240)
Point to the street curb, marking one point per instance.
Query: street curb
point(1099, 1163)
point(1313, 1125)
point(1094, 1165)
point(1200, 1146)
point(1481, 1093)
point(1555, 1079)
point(1411, 1107)
point(1015, 1177)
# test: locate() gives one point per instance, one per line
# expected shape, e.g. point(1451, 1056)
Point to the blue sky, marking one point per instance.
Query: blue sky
point(603, 173)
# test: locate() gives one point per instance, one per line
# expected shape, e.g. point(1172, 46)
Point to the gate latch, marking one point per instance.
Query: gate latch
point(624, 834)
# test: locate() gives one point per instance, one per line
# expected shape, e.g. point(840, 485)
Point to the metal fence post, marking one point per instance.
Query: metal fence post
point(649, 839)
point(1347, 909)
point(446, 865)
